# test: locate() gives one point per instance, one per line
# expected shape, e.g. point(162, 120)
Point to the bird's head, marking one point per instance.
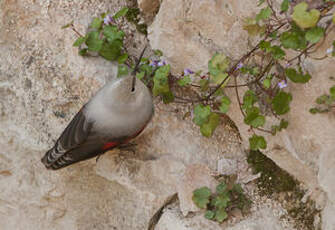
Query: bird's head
point(128, 90)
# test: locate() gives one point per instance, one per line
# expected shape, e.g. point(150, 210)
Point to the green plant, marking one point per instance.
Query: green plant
point(219, 204)
point(266, 81)
point(325, 102)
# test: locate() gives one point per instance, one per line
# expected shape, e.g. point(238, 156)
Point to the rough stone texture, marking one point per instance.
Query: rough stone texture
point(195, 176)
point(148, 9)
point(263, 219)
point(43, 83)
point(188, 37)
point(186, 33)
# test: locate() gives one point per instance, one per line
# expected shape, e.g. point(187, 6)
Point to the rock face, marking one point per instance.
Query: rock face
point(189, 34)
point(44, 82)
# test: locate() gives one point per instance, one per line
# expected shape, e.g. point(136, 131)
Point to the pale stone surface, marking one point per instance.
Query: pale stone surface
point(189, 34)
point(148, 8)
point(263, 219)
point(43, 83)
point(195, 176)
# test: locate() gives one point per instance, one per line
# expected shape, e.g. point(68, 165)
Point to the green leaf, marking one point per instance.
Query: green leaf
point(217, 79)
point(207, 129)
point(121, 13)
point(79, 41)
point(204, 84)
point(93, 41)
point(96, 23)
point(121, 59)
point(225, 103)
point(260, 2)
point(238, 188)
point(265, 45)
point(257, 142)
point(252, 27)
point(209, 214)
point(158, 53)
point(184, 81)
point(334, 18)
point(168, 97)
point(303, 18)
point(122, 70)
point(253, 117)
point(293, 40)
point(267, 83)
point(249, 99)
point(277, 128)
point(284, 6)
point(221, 188)
point(83, 52)
point(322, 99)
point(283, 124)
point(332, 92)
point(140, 75)
point(314, 34)
point(201, 197)
point(161, 82)
point(218, 64)
point(112, 33)
point(296, 77)
point(263, 14)
point(221, 215)
point(67, 25)
point(277, 52)
point(221, 201)
point(281, 102)
point(111, 51)
point(201, 114)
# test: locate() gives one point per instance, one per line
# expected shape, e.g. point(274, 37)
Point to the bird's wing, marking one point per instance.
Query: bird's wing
point(73, 136)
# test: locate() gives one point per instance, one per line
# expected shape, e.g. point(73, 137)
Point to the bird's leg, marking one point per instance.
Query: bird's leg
point(130, 147)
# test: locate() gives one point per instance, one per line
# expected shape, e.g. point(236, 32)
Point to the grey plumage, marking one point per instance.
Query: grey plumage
point(112, 117)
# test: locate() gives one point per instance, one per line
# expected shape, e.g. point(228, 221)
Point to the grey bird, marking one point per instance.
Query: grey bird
point(116, 114)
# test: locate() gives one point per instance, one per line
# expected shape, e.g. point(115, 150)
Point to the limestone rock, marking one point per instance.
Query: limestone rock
point(196, 176)
point(148, 8)
point(186, 33)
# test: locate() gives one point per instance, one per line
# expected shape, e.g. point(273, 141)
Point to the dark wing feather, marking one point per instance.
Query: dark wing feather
point(83, 152)
point(74, 135)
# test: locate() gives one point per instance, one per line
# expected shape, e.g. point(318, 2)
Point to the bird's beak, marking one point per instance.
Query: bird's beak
point(135, 69)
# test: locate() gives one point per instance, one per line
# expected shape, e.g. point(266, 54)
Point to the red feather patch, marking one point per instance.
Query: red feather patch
point(109, 145)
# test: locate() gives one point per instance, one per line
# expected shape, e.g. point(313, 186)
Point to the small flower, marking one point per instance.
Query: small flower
point(161, 63)
point(108, 19)
point(203, 77)
point(330, 50)
point(154, 63)
point(287, 64)
point(187, 72)
point(239, 65)
point(282, 84)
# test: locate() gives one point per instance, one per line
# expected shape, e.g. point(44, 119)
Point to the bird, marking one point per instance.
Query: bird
point(116, 114)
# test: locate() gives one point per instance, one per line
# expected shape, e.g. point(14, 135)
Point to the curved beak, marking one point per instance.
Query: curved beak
point(135, 69)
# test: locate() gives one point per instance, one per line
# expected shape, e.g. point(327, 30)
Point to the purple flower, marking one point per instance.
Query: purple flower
point(287, 64)
point(108, 19)
point(154, 63)
point(161, 63)
point(239, 65)
point(282, 84)
point(187, 72)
